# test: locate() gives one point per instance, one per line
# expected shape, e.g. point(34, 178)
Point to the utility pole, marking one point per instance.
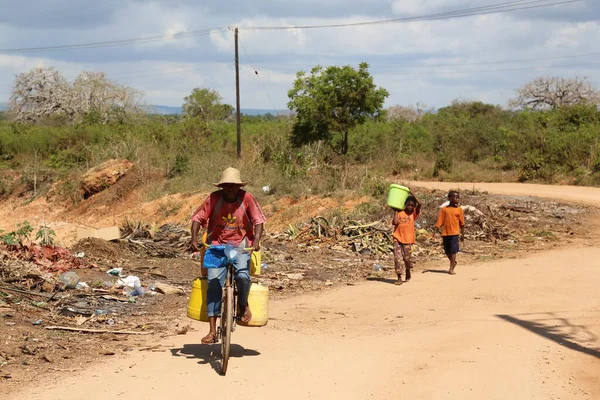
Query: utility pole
point(238, 116)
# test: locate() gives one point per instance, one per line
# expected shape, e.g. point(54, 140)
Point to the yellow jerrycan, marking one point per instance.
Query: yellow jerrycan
point(258, 300)
point(255, 260)
point(258, 297)
point(197, 305)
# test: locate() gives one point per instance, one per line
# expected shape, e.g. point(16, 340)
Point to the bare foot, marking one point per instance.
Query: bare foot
point(398, 282)
point(210, 338)
point(247, 315)
point(407, 275)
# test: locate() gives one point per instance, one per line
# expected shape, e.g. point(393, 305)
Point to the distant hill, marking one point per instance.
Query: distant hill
point(163, 110)
point(256, 111)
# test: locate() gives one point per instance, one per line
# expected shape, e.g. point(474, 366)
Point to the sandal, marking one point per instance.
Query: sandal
point(209, 339)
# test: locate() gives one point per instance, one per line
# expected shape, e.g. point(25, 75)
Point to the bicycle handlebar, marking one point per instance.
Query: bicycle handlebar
point(208, 246)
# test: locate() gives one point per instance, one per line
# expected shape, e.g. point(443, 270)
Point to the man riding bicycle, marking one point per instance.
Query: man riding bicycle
point(230, 216)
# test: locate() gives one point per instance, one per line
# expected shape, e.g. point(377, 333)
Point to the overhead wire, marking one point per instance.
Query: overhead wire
point(490, 9)
point(373, 66)
point(121, 42)
point(162, 71)
point(474, 11)
point(490, 70)
point(166, 71)
point(257, 75)
point(415, 73)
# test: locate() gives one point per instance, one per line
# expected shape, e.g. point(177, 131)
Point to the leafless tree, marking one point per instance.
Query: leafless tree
point(407, 113)
point(551, 92)
point(40, 93)
point(44, 92)
point(93, 92)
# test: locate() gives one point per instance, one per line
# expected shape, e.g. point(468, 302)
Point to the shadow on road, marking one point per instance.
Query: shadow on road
point(559, 330)
point(381, 279)
point(436, 271)
point(211, 353)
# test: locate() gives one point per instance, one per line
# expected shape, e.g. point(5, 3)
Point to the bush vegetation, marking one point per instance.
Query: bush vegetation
point(466, 141)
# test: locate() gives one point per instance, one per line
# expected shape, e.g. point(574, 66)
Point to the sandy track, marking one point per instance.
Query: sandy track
point(525, 328)
point(577, 194)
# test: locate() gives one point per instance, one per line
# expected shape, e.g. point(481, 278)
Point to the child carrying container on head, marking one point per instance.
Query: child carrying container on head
point(451, 222)
point(404, 236)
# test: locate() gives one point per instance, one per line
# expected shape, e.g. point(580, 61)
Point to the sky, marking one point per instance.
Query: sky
point(484, 57)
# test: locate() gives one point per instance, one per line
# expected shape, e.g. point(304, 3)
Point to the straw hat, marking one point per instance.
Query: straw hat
point(231, 176)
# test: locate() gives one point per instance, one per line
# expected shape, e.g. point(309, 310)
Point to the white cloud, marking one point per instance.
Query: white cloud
point(423, 7)
point(574, 37)
point(425, 37)
point(168, 70)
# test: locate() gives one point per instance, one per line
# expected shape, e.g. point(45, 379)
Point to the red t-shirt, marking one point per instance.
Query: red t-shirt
point(229, 223)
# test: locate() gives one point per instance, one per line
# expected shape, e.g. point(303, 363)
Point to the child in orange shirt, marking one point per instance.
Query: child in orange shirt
point(404, 236)
point(452, 220)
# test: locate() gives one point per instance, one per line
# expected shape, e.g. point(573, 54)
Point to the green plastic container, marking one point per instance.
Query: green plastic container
point(397, 195)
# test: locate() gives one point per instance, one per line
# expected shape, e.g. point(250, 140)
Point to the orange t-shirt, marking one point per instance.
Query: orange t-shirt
point(405, 231)
point(452, 219)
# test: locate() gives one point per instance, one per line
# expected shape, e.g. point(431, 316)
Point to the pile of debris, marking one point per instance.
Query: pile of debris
point(489, 219)
point(44, 281)
point(373, 237)
point(166, 241)
point(67, 299)
point(35, 264)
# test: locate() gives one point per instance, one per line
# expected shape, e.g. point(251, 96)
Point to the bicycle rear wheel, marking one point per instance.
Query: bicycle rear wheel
point(226, 327)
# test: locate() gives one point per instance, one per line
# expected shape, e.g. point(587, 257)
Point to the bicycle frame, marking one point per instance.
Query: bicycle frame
point(228, 315)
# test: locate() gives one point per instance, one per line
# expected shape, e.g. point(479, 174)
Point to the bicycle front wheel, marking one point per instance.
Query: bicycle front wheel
point(226, 327)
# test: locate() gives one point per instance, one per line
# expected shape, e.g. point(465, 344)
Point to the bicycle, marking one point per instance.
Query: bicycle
point(228, 317)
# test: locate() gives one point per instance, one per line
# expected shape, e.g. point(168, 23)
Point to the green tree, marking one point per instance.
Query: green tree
point(206, 104)
point(329, 102)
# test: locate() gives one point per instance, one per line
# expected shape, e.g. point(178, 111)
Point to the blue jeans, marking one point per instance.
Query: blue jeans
point(216, 280)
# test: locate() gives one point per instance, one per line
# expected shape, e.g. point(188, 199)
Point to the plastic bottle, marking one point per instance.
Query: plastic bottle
point(377, 267)
point(264, 266)
point(69, 279)
point(115, 272)
point(138, 290)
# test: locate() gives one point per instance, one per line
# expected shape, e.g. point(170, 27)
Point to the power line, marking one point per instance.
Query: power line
point(434, 73)
point(166, 71)
point(121, 42)
point(161, 71)
point(374, 66)
point(257, 75)
point(490, 70)
point(490, 62)
point(491, 9)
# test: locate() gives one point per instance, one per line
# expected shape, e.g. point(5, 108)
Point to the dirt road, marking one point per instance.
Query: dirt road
point(526, 328)
point(577, 194)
